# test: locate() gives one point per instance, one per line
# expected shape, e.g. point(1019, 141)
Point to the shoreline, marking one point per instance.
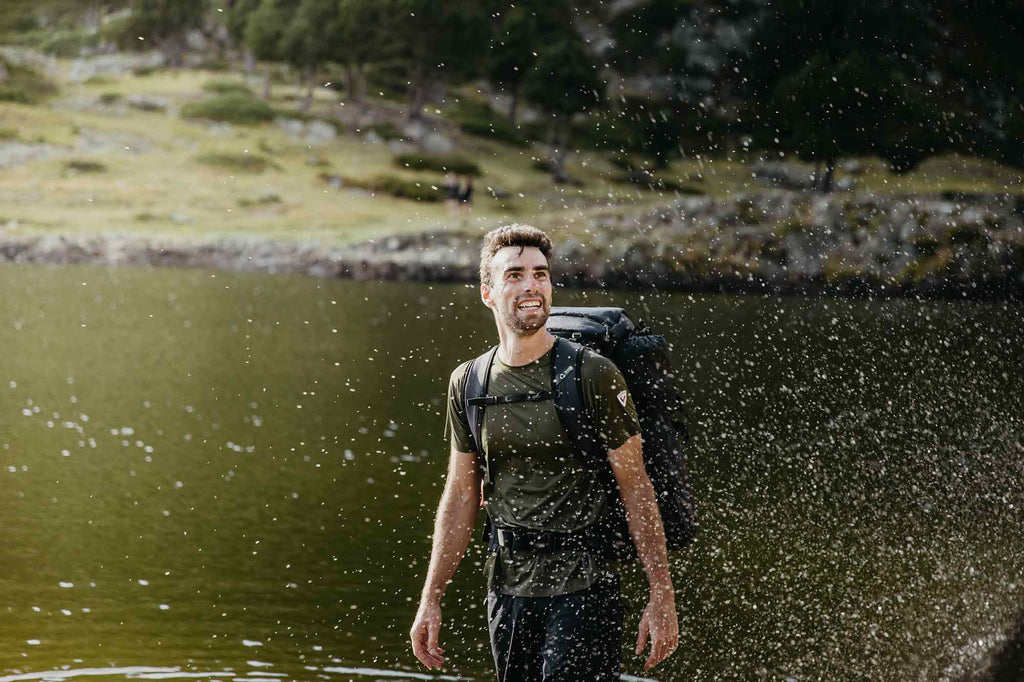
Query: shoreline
point(450, 257)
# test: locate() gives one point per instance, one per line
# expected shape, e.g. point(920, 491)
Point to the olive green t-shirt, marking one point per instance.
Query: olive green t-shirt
point(538, 483)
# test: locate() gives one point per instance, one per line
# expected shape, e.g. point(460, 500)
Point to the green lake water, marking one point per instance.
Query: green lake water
point(234, 476)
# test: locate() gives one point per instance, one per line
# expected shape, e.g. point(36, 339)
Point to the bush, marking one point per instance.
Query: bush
point(262, 200)
point(439, 162)
point(243, 163)
point(233, 107)
point(9, 134)
point(386, 130)
point(395, 186)
point(478, 118)
point(75, 166)
point(543, 164)
point(108, 98)
point(24, 85)
point(227, 87)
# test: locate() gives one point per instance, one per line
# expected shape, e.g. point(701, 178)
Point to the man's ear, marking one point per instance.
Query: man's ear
point(485, 295)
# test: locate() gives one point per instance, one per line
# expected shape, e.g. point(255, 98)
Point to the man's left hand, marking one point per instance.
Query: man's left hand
point(660, 622)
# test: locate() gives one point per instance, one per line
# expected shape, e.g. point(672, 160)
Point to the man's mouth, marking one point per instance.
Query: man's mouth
point(529, 305)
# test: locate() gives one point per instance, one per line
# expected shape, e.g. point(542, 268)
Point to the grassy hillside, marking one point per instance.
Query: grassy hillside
point(116, 153)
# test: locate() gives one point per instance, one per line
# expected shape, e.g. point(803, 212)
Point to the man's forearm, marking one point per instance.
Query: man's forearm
point(453, 529)
point(647, 530)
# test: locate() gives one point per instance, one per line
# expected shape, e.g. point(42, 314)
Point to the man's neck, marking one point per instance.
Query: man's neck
point(517, 351)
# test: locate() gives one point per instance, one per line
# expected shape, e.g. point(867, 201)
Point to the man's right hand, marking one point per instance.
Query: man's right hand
point(425, 630)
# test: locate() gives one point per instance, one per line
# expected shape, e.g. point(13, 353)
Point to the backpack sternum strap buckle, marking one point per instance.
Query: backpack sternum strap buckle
point(532, 397)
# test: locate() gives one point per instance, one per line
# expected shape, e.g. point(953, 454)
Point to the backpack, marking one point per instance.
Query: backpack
point(643, 359)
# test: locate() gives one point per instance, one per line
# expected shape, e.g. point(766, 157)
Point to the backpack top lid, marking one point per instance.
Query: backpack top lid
point(600, 328)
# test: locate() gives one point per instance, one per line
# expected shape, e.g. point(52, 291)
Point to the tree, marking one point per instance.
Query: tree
point(513, 52)
point(238, 14)
point(563, 82)
point(361, 39)
point(308, 41)
point(264, 31)
point(165, 22)
point(433, 36)
point(676, 71)
point(832, 79)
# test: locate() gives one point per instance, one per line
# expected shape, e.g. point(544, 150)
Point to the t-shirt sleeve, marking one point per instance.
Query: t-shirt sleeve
point(609, 400)
point(457, 424)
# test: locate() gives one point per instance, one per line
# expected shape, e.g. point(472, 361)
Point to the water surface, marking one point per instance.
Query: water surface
point(234, 476)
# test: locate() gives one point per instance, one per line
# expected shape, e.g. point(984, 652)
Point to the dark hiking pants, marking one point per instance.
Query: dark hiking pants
point(573, 637)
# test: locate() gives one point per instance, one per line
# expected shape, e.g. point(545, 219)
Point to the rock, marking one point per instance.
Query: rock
point(119, 64)
point(14, 153)
point(435, 143)
point(319, 132)
point(400, 147)
point(852, 166)
point(783, 175)
point(372, 138)
point(292, 126)
point(147, 102)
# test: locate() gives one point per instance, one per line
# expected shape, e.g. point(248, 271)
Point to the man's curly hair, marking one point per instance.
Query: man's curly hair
point(510, 235)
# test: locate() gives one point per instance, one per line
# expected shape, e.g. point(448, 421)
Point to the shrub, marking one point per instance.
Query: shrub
point(74, 166)
point(543, 164)
point(395, 186)
point(386, 130)
point(262, 200)
point(233, 107)
point(108, 98)
point(439, 162)
point(478, 118)
point(144, 70)
point(9, 134)
point(227, 87)
point(24, 85)
point(243, 163)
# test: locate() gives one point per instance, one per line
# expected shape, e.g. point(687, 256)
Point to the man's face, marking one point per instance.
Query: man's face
point(520, 291)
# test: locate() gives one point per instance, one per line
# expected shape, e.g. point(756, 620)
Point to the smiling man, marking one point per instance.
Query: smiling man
point(554, 609)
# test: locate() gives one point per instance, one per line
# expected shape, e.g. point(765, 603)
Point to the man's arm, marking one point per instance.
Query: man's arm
point(659, 618)
point(453, 529)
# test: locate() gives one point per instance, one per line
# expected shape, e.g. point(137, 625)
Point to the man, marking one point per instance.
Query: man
point(554, 609)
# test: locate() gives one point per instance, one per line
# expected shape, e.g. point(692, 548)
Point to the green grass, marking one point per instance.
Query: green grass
point(443, 163)
point(226, 86)
point(233, 107)
point(140, 191)
point(240, 163)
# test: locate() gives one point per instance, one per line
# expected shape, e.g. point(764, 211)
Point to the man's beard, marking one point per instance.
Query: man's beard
point(525, 327)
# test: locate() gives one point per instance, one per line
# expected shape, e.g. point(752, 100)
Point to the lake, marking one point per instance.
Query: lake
point(234, 476)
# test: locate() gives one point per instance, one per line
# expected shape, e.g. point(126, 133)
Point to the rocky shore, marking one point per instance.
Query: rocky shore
point(784, 242)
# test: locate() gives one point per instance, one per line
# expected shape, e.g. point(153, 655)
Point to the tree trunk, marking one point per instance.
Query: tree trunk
point(830, 170)
point(420, 87)
point(174, 50)
point(513, 107)
point(350, 83)
point(559, 136)
point(308, 72)
point(266, 82)
point(361, 87)
point(250, 63)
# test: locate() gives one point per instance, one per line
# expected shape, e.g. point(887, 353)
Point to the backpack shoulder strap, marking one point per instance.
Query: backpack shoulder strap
point(477, 377)
point(567, 386)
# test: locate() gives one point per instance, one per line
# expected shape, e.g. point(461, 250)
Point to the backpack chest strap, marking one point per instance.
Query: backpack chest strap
point(532, 397)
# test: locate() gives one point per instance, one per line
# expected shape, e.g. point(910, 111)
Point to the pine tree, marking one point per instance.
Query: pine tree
point(165, 22)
